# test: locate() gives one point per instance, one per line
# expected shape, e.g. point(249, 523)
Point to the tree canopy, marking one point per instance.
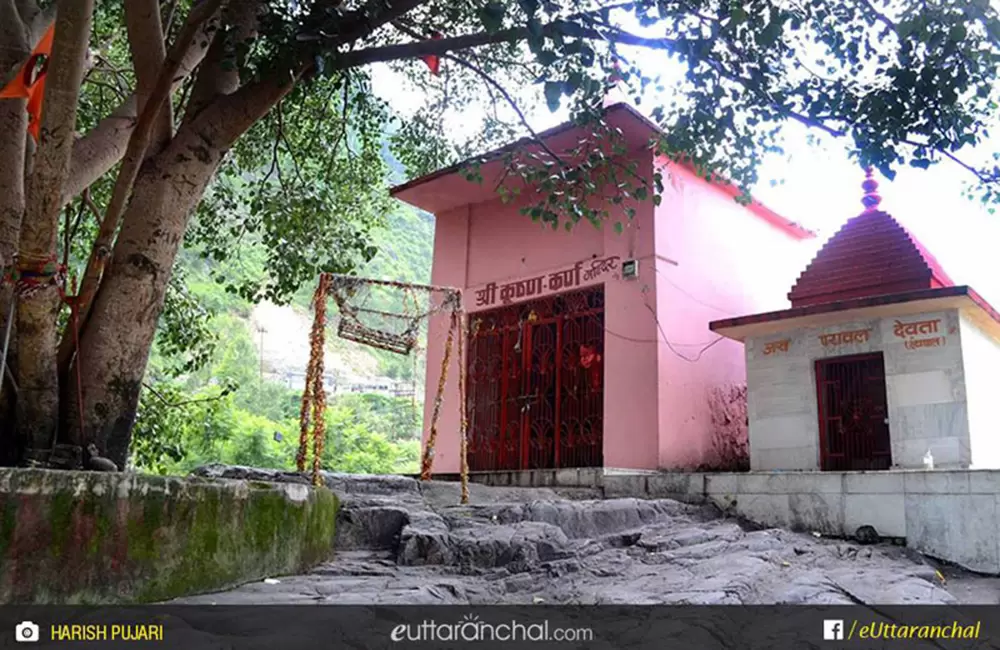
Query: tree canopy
point(209, 123)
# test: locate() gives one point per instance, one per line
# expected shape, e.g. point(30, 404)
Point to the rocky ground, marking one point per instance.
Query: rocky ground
point(404, 542)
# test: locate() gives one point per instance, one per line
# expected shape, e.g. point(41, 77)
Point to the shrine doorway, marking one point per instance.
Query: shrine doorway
point(536, 384)
point(853, 418)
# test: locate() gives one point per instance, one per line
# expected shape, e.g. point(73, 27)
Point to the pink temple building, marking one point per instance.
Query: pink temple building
point(592, 348)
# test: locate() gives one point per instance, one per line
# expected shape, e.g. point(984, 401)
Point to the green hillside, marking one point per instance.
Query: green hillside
point(207, 399)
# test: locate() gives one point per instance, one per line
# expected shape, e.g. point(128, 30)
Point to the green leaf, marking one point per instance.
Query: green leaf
point(573, 82)
point(492, 15)
point(547, 57)
point(529, 7)
point(535, 28)
point(553, 94)
point(920, 163)
point(619, 227)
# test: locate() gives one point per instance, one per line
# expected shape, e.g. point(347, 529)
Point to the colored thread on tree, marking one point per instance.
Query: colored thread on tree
point(29, 275)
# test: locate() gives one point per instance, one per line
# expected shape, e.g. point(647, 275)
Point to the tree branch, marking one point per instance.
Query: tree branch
point(36, 20)
point(443, 46)
point(186, 402)
point(145, 39)
point(37, 334)
point(167, 20)
point(58, 121)
point(134, 156)
point(362, 22)
point(510, 100)
point(103, 146)
point(230, 116)
point(15, 37)
point(218, 76)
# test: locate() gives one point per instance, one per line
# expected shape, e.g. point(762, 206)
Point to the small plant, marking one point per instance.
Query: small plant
point(730, 446)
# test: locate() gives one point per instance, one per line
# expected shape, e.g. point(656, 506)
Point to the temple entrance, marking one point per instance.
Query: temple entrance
point(853, 419)
point(536, 384)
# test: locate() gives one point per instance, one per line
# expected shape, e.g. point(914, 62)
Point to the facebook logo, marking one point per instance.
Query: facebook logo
point(833, 630)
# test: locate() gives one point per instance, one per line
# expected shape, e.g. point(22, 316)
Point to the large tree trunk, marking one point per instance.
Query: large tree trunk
point(115, 346)
point(37, 312)
point(13, 131)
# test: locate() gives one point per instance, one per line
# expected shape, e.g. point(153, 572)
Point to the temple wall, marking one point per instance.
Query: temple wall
point(925, 392)
point(981, 359)
point(714, 259)
point(492, 243)
point(451, 256)
point(701, 256)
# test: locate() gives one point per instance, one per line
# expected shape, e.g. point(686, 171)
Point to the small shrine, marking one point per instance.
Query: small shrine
point(881, 362)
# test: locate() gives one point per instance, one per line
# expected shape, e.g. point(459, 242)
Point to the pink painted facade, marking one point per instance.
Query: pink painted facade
point(701, 257)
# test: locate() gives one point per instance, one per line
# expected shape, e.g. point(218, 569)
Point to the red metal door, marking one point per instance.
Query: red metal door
point(853, 419)
point(536, 384)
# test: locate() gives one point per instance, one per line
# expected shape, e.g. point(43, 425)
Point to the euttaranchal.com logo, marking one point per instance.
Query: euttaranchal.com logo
point(470, 628)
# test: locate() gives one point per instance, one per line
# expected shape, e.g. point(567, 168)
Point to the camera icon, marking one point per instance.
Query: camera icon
point(26, 632)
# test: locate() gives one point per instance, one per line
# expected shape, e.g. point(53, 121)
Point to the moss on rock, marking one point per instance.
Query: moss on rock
point(104, 538)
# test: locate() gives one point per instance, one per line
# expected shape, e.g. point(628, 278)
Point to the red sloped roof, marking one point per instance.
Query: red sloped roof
point(871, 255)
point(937, 271)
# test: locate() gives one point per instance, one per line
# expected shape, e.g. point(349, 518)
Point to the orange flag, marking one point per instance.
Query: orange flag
point(433, 61)
point(30, 82)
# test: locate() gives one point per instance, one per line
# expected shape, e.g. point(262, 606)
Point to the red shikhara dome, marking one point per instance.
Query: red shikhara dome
point(871, 255)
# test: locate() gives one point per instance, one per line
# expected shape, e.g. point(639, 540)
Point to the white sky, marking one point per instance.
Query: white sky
point(822, 190)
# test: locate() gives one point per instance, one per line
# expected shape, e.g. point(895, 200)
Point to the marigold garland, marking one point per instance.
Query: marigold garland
point(312, 423)
point(314, 393)
point(463, 411)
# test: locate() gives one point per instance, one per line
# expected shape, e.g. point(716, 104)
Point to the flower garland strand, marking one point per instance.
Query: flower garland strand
point(313, 394)
point(319, 389)
point(462, 410)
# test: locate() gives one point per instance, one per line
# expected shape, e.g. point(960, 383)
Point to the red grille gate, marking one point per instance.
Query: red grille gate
point(536, 384)
point(853, 420)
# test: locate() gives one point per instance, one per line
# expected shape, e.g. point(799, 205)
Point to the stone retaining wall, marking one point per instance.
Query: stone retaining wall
point(90, 538)
point(952, 515)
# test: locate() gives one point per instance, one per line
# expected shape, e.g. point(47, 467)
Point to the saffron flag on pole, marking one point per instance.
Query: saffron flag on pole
point(433, 61)
point(30, 82)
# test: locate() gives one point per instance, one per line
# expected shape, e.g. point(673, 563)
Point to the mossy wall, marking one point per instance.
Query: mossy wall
point(92, 538)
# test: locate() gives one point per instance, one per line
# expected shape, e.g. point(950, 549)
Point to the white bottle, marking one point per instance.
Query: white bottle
point(928, 460)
